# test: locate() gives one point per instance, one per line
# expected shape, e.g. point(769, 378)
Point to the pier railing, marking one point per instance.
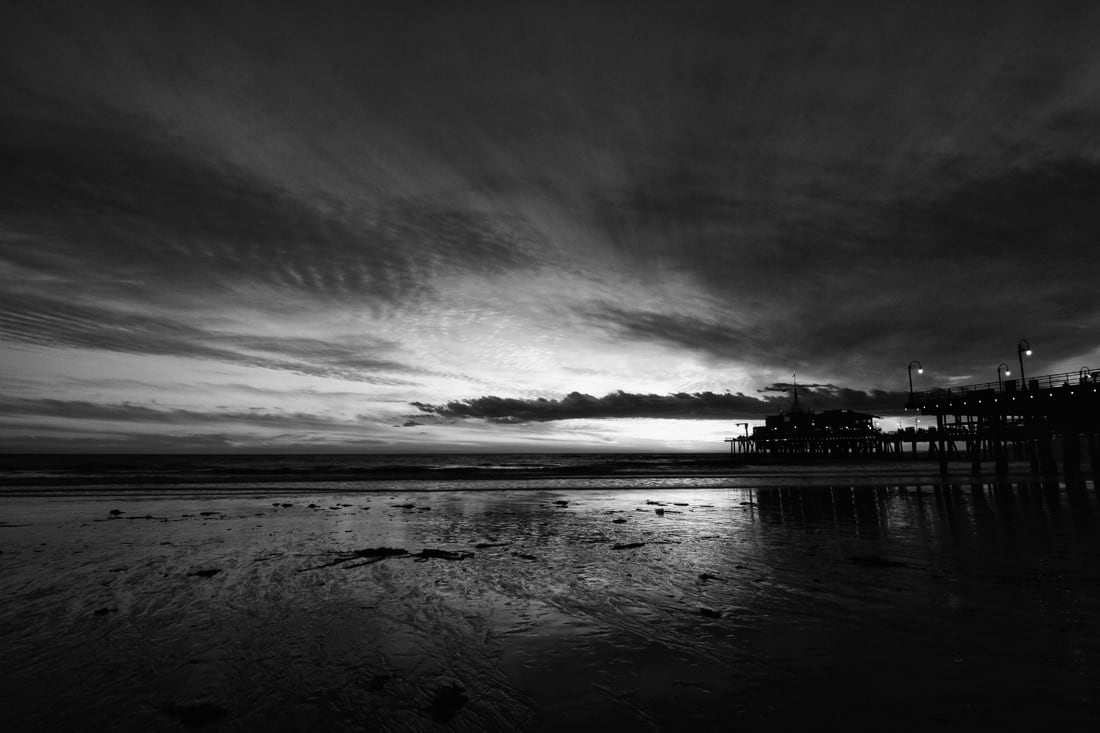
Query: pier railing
point(1010, 386)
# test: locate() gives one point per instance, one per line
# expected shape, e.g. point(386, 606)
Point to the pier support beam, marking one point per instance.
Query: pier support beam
point(1033, 454)
point(1047, 464)
point(1000, 456)
point(1071, 450)
point(1092, 443)
point(941, 437)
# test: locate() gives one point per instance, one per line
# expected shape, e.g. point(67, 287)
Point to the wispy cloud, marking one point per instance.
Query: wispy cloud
point(45, 321)
point(141, 413)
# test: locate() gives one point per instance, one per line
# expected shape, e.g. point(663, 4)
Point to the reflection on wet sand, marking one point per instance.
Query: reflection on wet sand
point(905, 606)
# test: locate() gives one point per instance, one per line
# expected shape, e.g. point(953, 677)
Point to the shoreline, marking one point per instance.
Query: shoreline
point(583, 484)
point(94, 476)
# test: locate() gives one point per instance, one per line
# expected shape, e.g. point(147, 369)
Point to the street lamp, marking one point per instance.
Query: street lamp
point(920, 370)
point(1001, 383)
point(1023, 348)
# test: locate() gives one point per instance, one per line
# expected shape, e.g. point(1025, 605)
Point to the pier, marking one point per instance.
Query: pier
point(1049, 421)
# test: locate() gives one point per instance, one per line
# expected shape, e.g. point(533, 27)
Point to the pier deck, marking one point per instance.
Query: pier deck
point(1049, 415)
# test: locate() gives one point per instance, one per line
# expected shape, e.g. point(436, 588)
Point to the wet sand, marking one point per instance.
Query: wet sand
point(900, 607)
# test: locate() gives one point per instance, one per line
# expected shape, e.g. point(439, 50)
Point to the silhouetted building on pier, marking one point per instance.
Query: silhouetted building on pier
point(807, 433)
point(829, 422)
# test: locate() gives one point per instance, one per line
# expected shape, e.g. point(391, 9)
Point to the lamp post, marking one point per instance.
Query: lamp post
point(1000, 382)
point(1023, 348)
point(920, 370)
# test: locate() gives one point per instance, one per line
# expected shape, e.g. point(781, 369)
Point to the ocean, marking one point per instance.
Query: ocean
point(162, 474)
point(517, 593)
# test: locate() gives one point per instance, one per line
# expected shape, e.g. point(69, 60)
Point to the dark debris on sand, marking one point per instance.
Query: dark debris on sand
point(378, 682)
point(196, 715)
point(371, 555)
point(208, 573)
point(447, 701)
point(428, 553)
point(875, 561)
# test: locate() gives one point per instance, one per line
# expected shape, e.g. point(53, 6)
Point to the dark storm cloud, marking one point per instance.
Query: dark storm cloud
point(1044, 214)
point(993, 259)
point(616, 404)
point(997, 259)
point(698, 405)
point(912, 187)
point(765, 148)
point(958, 275)
point(832, 397)
point(140, 207)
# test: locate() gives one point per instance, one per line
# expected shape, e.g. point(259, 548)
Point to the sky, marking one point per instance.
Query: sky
point(437, 226)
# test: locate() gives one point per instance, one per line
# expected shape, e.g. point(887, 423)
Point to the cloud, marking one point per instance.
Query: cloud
point(699, 405)
point(152, 213)
point(535, 198)
point(821, 397)
point(713, 336)
point(49, 441)
point(81, 410)
point(954, 274)
point(47, 321)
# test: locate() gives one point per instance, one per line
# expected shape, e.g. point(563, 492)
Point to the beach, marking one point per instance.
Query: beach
point(865, 603)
